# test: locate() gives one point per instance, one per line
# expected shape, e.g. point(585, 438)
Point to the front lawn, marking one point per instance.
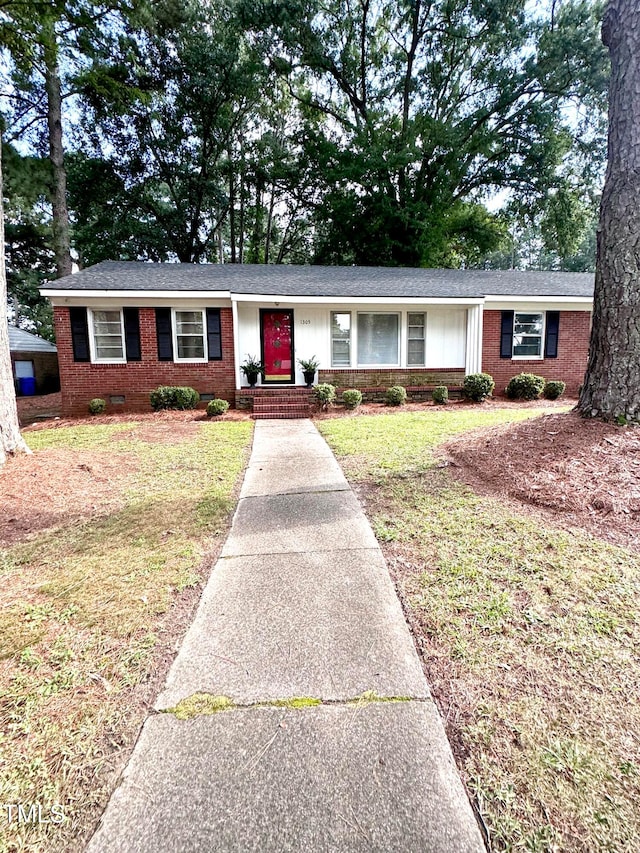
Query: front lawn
point(529, 632)
point(108, 530)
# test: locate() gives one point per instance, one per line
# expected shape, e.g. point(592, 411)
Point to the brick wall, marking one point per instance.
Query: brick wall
point(45, 368)
point(374, 378)
point(82, 381)
point(569, 366)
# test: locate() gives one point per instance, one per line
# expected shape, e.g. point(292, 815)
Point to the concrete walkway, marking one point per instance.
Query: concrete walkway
point(299, 605)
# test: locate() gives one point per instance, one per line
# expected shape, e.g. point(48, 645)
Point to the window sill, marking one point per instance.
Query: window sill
point(527, 358)
point(378, 367)
point(190, 360)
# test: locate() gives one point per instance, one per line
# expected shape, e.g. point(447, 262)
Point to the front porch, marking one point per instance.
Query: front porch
point(288, 401)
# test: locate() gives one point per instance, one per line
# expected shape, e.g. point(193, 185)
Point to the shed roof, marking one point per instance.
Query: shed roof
point(22, 341)
point(324, 281)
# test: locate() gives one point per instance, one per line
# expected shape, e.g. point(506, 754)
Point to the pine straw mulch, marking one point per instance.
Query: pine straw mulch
point(585, 473)
point(42, 406)
point(55, 486)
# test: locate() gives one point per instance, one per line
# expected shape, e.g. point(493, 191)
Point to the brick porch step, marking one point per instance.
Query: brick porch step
point(285, 405)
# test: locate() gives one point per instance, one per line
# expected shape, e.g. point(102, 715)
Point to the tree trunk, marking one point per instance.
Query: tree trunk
point(60, 224)
point(241, 219)
point(220, 246)
point(11, 440)
point(611, 388)
point(267, 245)
point(232, 208)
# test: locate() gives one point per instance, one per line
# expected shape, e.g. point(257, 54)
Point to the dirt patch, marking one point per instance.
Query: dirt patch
point(157, 422)
point(45, 407)
point(53, 486)
point(584, 472)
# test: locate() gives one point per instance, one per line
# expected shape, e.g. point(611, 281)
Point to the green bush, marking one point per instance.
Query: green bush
point(395, 396)
point(173, 397)
point(97, 406)
point(352, 398)
point(525, 386)
point(324, 394)
point(217, 407)
point(553, 389)
point(440, 395)
point(478, 386)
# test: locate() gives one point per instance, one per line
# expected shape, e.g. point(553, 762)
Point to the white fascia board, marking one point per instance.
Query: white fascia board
point(272, 299)
point(138, 298)
point(581, 302)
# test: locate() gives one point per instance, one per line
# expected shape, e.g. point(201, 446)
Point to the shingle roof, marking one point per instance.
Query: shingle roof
point(22, 341)
point(286, 280)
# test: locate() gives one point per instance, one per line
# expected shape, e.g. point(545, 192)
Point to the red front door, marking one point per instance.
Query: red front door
point(277, 345)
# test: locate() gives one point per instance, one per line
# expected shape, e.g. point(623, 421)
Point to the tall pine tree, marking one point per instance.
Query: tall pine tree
point(611, 388)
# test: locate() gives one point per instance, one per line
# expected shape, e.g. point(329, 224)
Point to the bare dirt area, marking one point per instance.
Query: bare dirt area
point(585, 472)
point(32, 409)
point(52, 486)
point(155, 421)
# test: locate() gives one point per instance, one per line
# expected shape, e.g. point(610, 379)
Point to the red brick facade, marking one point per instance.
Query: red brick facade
point(82, 381)
point(569, 366)
point(384, 377)
point(133, 381)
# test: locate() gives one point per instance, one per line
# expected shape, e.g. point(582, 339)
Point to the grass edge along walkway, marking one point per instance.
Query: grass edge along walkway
point(529, 635)
point(86, 606)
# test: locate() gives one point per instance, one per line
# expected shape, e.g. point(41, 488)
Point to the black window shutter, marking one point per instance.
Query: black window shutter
point(551, 338)
point(163, 332)
point(214, 334)
point(506, 335)
point(79, 334)
point(132, 334)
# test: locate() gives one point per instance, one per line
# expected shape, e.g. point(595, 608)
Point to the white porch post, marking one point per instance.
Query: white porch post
point(473, 360)
point(236, 343)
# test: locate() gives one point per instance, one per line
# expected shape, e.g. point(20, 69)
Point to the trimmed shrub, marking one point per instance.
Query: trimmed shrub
point(478, 386)
point(97, 406)
point(553, 389)
point(395, 396)
point(440, 395)
point(173, 397)
point(216, 407)
point(324, 394)
point(525, 386)
point(352, 398)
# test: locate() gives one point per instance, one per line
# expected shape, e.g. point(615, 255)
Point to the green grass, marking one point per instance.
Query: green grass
point(530, 634)
point(82, 605)
point(404, 441)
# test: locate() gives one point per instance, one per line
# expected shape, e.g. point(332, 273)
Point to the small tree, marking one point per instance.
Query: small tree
point(11, 440)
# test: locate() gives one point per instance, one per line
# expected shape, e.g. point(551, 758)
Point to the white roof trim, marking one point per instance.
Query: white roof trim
point(61, 296)
point(549, 300)
point(356, 300)
point(52, 293)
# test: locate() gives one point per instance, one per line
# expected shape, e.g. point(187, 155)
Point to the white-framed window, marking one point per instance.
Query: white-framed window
point(416, 337)
point(341, 339)
point(24, 369)
point(378, 339)
point(528, 334)
point(106, 335)
point(189, 335)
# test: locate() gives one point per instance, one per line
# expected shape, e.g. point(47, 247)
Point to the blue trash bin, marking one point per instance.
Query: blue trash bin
point(27, 386)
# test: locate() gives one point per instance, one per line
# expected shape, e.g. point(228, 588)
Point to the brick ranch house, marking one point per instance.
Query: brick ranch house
point(123, 328)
